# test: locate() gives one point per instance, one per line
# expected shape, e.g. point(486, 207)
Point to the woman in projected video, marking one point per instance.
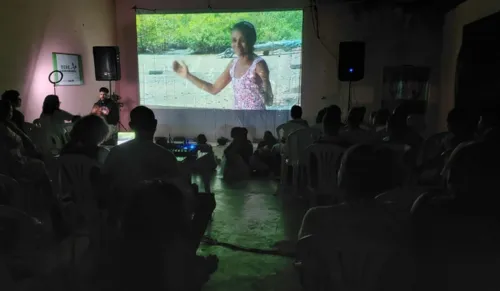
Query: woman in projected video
point(248, 73)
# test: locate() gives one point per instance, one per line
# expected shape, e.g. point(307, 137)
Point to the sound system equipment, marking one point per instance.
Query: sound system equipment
point(107, 63)
point(179, 149)
point(351, 66)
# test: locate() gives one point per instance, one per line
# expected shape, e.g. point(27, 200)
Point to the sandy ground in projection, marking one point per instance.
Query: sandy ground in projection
point(160, 86)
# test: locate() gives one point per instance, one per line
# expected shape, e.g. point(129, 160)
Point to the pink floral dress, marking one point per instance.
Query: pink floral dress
point(248, 93)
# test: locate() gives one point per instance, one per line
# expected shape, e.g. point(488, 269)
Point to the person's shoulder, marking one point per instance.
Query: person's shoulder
point(17, 113)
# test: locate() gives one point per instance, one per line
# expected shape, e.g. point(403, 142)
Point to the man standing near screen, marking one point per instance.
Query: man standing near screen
point(109, 110)
point(248, 73)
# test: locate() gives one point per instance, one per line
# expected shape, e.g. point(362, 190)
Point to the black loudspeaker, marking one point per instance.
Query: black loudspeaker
point(107, 63)
point(351, 61)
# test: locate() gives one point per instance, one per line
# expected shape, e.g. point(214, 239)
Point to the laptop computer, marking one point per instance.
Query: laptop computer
point(125, 136)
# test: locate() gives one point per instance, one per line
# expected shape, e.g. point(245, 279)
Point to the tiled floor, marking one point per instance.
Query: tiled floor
point(251, 215)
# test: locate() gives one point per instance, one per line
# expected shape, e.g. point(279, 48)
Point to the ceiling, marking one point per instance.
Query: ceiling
point(442, 6)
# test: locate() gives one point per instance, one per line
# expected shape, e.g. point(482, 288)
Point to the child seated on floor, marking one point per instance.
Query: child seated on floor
point(209, 161)
point(237, 156)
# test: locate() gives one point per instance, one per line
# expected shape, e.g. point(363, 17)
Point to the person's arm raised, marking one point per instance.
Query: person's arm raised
point(221, 82)
point(263, 71)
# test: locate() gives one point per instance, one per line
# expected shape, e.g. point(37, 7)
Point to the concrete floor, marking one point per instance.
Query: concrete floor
point(251, 215)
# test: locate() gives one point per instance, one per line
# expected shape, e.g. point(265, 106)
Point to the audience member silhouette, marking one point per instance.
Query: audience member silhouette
point(457, 237)
point(157, 252)
point(353, 133)
point(14, 98)
point(140, 159)
point(361, 228)
point(296, 114)
point(87, 135)
point(19, 156)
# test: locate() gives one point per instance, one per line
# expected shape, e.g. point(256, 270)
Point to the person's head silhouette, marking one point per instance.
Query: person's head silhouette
point(143, 122)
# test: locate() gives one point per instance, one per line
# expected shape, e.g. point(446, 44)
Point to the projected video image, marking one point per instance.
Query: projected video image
point(242, 61)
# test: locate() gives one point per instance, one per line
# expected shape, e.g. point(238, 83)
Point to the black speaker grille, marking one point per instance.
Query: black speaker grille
point(351, 61)
point(107, 63)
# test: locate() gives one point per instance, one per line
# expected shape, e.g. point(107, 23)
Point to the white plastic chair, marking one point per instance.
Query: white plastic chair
point(74, 179)
point(74, 182)
point(297, 143)
point(285, 129)
point(432, 147)
point(322, 170)
point(49, 143)
point(367, 264)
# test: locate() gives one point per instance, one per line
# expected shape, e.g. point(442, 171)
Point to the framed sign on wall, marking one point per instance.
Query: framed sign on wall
point(71, 67)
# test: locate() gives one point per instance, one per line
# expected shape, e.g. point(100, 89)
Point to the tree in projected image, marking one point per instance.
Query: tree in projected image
point(207, 33)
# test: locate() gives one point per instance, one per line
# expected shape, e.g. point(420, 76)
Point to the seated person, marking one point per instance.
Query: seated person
point(268, 141)
point(319, 119)
point(292, 125)
point(263, 158)
point(240, 145)
point(360, 225)
point(457, 238)
point(462, 126)
point(19, 156)
point(237, 156)
point(52, 122)
point(296, 114)
point(353, 133)
point(87, 135)
point(203, 146)
point(14, 98)
point(209, 161)
point(157, 250)
point(52, 114)
point(331, 128)
point(138, 159)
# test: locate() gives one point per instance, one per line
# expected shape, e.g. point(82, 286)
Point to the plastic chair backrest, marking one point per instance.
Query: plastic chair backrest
point(285, 129)
point(364, 265)
point(432, 147)
point(74, 180)
point(325, 159)
point(47, 142)
point(296, 144)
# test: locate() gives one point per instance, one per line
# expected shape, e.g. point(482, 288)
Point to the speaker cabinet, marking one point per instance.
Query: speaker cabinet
point(107, 63)
point(351, 61)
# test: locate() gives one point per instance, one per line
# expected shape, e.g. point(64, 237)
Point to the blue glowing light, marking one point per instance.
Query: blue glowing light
point(351, 70)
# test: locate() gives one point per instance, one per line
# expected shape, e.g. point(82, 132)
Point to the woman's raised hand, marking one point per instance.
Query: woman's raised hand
point(181, 69)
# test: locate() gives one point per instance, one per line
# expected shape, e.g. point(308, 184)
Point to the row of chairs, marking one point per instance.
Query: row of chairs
point(22, 223)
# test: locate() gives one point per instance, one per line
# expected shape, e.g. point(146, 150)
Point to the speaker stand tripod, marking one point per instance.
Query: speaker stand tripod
point(120, 124)
point(349, 102)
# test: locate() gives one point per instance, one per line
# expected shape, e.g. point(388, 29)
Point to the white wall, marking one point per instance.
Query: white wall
point(32, 30)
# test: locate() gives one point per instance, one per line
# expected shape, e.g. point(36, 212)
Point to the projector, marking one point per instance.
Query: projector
point(178, 149)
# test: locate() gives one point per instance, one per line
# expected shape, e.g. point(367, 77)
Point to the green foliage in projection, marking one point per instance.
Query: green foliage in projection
point(210, 33)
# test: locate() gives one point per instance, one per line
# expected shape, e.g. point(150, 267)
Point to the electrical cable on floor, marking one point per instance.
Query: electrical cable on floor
point(273, 252)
